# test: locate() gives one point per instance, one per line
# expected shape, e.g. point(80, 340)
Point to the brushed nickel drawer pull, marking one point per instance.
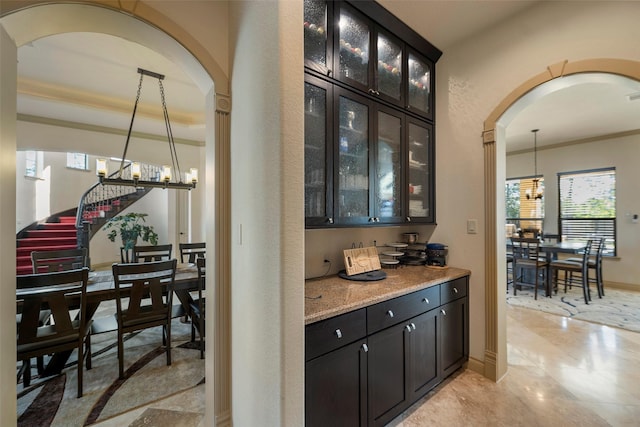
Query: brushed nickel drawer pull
point(365, 348)
point(338, 333)
point(390, 313)
point(425, 300)
point(408, 328)
point(444, 313)
point(455, 290)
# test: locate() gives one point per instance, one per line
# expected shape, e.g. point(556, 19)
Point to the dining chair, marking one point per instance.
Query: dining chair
point(595, 263)
point(63, 294)
point(575, 272)
point(148, 253)
point(67, 259)
point(144, 299)
point(197, 307)
point(529, 265)
point(191, 251)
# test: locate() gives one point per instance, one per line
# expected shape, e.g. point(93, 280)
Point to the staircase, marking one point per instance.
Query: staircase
point(75, 228)
point(48, 236)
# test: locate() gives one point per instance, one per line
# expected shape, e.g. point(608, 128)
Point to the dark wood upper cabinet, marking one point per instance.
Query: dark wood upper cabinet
point(371, 79)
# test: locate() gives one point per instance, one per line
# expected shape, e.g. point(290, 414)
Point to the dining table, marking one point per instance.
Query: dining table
point(551, 251)
point(566, 247)
point(101, 288)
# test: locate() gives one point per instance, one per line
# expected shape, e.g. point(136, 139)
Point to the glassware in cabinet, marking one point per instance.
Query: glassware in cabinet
point(389, 70)
point(419, 85)
point(354, 37)
point(316, 35)
point(353, 161)
point(388, 186)
point(420, 162)
point(316, 152)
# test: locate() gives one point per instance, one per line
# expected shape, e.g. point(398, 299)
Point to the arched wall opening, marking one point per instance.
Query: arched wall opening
point(556, 76)
point(147, 27)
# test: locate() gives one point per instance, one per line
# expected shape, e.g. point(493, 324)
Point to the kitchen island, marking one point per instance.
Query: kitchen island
point(374, 348)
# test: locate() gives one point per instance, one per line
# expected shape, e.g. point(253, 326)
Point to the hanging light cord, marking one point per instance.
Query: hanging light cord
point(133, 116)
point(172, 145)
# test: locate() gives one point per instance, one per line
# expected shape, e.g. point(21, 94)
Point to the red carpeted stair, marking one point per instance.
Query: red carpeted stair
point(50, 236)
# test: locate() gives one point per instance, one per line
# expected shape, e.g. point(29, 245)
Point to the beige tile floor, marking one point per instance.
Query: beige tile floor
point(562, 372)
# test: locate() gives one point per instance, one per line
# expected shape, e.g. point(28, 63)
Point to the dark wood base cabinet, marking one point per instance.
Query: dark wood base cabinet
point(410, 345)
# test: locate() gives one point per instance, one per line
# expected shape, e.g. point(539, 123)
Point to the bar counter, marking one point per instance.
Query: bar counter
point(330, 296)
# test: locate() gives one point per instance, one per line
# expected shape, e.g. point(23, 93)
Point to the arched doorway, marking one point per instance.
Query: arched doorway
point(494, 160)
point(151, 29)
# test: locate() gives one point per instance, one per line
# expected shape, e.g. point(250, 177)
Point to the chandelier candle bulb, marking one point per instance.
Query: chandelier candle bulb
point(135, 170)
point(166, 173)
point(101, 167)
point(193, 175)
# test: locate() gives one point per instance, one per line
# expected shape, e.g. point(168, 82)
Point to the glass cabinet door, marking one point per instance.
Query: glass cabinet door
point(389, 71)
point(353, 44)
point(315, 35)
point(388, 185)
point(419, 85)
point(352, 161)
point(316, 153)
point(420, 189)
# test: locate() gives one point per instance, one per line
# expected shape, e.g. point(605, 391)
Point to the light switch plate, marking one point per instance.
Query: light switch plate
point(472, 226)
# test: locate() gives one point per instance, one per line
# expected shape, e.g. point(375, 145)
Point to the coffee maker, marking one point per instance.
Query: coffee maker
point(437, 254)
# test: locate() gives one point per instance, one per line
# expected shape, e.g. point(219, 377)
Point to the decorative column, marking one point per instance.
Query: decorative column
point(219, 384)
point(495, 358)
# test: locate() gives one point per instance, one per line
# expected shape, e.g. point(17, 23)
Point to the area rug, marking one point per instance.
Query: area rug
point(618, 308)
point(52, 401)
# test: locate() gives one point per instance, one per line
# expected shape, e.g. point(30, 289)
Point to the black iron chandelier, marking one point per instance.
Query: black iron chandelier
point(164, 177)
point(537, 188)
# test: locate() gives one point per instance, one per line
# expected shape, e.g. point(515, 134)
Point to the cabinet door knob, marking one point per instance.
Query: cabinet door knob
point(455, 290)
point(444, 313)
point(408, 328)
point(413, 326)
point(365, 348)
point(408, 219)
point(330, 220)
point(390, 313)
point(338, 333)
point(425, 300)
point(372, 219)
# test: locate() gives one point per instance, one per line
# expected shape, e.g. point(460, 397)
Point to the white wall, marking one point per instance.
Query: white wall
point(267, 212)
point(622, 153)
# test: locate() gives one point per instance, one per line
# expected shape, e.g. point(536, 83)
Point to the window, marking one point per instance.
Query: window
point(588, 206)
point(524, 211)
point(32, 167)
point(78, 161)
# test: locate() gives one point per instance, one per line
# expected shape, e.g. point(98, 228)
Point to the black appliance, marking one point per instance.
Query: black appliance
point(437, 254)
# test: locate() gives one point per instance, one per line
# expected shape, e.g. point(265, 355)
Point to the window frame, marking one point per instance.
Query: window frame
point(33, 164)
point(611, 236)
point(524, 222)
point(73, 164)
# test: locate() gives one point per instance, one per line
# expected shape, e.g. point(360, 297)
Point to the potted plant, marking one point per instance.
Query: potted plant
point(130, 227)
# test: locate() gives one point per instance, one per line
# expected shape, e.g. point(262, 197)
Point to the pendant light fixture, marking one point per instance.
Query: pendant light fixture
point(536, 191)
point(164, 177)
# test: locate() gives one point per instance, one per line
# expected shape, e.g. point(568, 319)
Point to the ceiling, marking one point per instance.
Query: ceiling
point(67, 77)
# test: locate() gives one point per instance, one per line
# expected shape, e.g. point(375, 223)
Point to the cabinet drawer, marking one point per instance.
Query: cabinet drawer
point(453, 290)
point(326, 335)
point(391, 312)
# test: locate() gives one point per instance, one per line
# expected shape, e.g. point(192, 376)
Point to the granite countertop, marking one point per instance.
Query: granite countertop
point(331, 296)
